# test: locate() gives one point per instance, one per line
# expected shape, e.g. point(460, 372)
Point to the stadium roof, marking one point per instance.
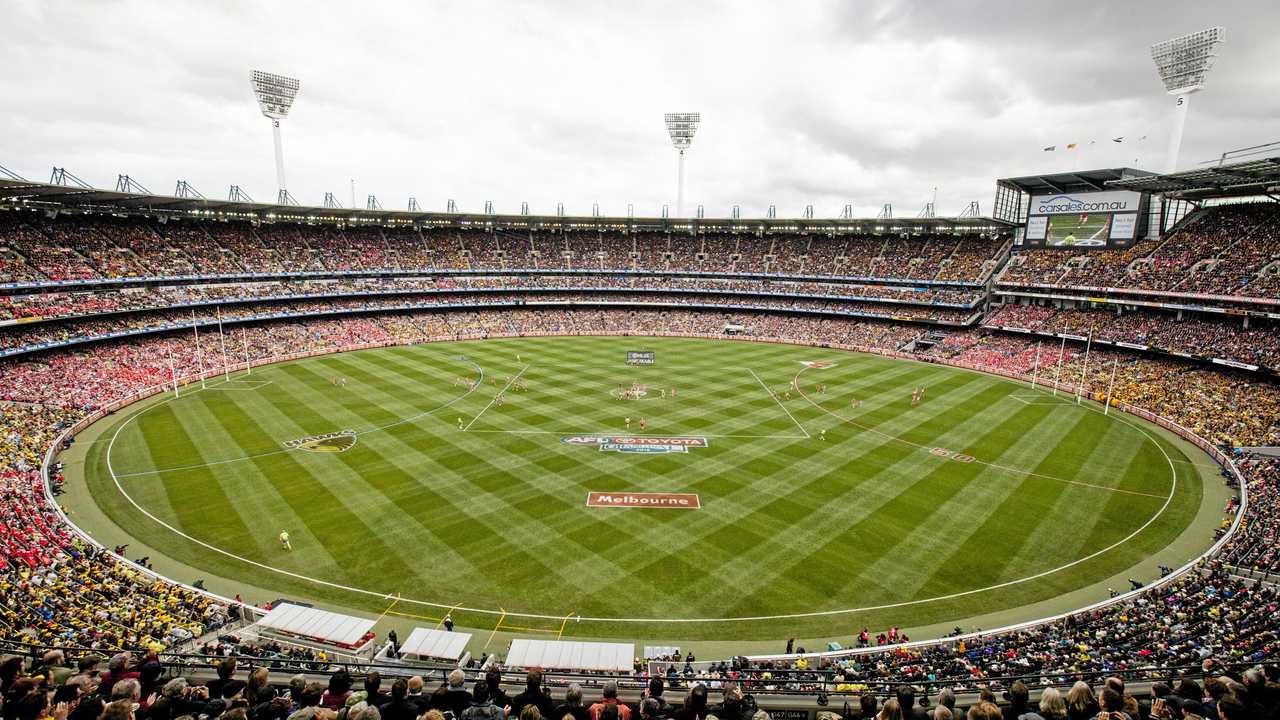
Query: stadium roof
point(1251, 177)
point(21, 193)
point(1075, 181)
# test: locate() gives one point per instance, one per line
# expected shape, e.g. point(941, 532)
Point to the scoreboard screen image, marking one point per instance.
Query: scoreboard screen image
point(1085, 229)
point(1109, 219)
point(640, 357)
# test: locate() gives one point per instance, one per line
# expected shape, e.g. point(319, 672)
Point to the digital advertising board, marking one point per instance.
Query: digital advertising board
point(1105, 219)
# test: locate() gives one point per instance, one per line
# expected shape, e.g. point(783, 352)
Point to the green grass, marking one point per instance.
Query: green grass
point(494, 516)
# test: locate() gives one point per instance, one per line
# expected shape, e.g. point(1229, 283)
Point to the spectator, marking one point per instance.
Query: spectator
point(452, 697)
point(482, 708)
point(609, 698)
point(572, 705)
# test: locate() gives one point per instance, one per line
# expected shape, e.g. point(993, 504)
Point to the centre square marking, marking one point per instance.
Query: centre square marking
point(636, 443)
point(676, 501)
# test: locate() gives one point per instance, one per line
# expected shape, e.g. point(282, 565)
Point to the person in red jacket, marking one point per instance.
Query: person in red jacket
point(609, 696)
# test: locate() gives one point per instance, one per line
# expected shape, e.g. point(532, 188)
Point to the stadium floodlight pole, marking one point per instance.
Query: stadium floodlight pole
point(1084, 368)
point(1057, 375)
point(199, 354)
point(1183, 63)
point(681, 127)
point(1115, 364)
point(1036, 368)
point(275, 95)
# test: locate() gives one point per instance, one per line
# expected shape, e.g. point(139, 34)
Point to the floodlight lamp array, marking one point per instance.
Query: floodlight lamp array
point(682, 126)
point(275, 93)
point(1184, 61)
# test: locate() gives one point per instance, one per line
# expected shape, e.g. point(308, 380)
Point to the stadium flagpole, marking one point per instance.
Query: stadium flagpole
point(1036, 369)
point(226, 370)
point(1084, 368)
point(199, 353)
point(1114, 364)
point(1057, 375)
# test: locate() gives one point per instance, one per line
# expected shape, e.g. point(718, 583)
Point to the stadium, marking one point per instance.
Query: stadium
point(1018, 464)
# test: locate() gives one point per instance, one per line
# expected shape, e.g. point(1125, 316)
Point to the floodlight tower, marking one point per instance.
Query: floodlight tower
point(1183, 63)
point(275, 96)
point(682, 126)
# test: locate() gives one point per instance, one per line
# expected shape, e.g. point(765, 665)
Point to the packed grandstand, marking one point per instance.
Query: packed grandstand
point(98, 306)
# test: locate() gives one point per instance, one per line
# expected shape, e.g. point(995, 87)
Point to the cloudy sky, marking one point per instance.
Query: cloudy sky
point(822, 103)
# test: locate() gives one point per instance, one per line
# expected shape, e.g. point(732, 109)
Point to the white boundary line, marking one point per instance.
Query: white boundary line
point(775, 399)
point(650, 620)
point(1027, 400)
point(495, 397)
point(241, 384)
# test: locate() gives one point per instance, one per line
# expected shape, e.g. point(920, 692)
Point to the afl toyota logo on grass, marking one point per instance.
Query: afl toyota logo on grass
point(634, 444)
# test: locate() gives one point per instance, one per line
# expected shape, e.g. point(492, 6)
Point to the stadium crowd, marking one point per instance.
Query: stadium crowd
point(74, 247)
point(38, 335)
point(1227, 250)
point(1208, 337)
point(59, 591)
point(139, 686)
point(64, 305)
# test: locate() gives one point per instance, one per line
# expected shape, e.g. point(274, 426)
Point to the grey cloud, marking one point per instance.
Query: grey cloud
point(826, 102)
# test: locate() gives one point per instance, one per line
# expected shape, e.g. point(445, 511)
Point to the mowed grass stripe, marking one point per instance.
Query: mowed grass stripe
point(194, 502)
point(1082, 449)
point(485, 503)
point(951, 494)
point(823, 497)
point(343, 534)
point(408, 510)
point(827, 566)
point(1024, 505)
point(491, 509)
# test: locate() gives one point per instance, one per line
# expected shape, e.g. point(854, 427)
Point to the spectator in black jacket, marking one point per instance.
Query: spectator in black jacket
point(654, 692)
point(906, 695)
point(1019, 701)
point(533, 694)
point(695, 704)
point(399, 707)
point(493, 679)
point(573, 704)
point(482, 708)
point(452, 697)
point(421, 701)
point(735, 704)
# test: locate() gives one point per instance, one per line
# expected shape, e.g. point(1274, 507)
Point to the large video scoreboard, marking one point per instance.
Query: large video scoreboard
point(1108, 219)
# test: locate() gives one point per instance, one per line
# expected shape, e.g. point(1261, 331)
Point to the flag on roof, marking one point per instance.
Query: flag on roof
point(1051, 148)
point(1071, 146)
point(1118, 139)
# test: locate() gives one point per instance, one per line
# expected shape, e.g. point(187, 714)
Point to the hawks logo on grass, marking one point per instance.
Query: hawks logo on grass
point(327, 443)
point(633, 444)
point(818, 364)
